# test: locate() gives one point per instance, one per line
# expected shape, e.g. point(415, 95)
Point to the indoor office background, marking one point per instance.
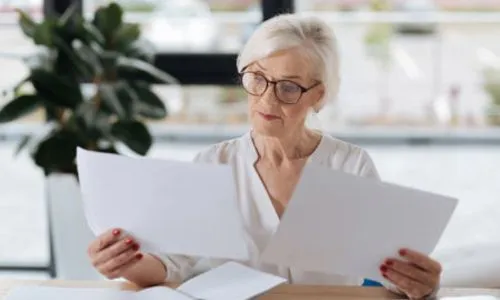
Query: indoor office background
point(420, 90)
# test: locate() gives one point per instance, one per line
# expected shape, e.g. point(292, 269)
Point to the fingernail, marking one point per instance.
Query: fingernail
point(128, 241)
point(138, 256)
point(116, 232)
point(135, 247)
point(402, 252)
point(383, 269)
point(389, 262)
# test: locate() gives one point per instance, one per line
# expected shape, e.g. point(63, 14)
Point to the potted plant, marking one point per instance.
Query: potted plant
point(378, 40)
point(88, 78)
point(492, 88)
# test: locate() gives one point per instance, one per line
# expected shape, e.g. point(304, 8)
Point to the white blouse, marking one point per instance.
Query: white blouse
point(258, 213)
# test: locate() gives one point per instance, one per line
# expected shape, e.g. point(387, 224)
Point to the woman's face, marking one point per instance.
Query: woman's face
point(279, 113)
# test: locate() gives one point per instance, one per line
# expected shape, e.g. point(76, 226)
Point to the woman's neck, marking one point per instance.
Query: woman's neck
point(293, 147)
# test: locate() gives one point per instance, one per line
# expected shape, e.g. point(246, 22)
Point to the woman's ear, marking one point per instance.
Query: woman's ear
point(320, 94)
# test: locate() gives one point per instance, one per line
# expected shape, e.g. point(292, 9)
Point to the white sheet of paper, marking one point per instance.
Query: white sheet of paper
point(230, 281)
point(168, 206)
point(339, 223)
point(60, 293)
point(161, 293)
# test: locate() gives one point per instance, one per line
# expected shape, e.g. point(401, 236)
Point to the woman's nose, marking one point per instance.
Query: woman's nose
point(269, 96)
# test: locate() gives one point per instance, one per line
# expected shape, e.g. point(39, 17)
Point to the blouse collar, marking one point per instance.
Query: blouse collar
point(253, 155)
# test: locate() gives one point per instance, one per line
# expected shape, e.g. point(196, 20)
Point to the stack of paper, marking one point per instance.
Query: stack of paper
point(335, 223)
point(230, 281)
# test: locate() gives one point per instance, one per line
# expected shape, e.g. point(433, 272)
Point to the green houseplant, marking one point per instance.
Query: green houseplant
point(377, 40)
point(107, 56)
point(492, 88)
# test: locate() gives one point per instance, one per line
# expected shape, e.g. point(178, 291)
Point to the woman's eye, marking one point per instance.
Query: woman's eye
point(289, 87)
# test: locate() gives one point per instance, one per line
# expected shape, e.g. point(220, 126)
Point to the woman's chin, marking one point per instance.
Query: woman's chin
point(269, 130)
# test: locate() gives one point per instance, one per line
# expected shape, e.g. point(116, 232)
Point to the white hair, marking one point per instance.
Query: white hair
point(289, 31)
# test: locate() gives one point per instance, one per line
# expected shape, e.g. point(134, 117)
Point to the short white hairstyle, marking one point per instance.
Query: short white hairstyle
point(288, 31)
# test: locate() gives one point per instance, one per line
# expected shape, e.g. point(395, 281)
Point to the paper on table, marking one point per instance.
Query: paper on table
point(231, 281)
point(161, 293)
point(339, 223)
point(168, 206)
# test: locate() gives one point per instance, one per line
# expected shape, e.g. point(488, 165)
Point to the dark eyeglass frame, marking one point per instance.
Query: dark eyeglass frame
point(303, 90)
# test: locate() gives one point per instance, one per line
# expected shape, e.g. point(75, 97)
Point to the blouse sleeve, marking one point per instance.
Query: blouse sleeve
point(366, 166)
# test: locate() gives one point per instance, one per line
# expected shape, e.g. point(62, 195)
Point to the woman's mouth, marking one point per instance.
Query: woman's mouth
point(268, 117)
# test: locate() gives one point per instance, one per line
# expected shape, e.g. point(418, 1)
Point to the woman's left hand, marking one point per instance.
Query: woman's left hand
point(415, 274)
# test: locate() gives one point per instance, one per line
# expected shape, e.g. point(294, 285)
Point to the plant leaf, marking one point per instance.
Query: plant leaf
point(114, 16)
point(44, 33)
point(74, 58)
point(126, 35)
point(56, 152)
point(136, 65)
point(141, 50)
point(19, 107)
point(56, 89)
point(134, 134)
point(149, 105)
point(93, 32)
point(28, 26)
point(108, 19)
point(68, 14)
point(110, 98)
point(90, 57)
point(128, 98)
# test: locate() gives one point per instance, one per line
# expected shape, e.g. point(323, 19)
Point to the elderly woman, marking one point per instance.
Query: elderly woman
point(289, 68)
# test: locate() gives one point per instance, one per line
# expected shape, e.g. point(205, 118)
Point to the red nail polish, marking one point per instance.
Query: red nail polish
point(139, 256)
point(402, 252)
point(383, 269)
point(135, 247)
point(389, 262)
point(116, 232)
point(128, 241)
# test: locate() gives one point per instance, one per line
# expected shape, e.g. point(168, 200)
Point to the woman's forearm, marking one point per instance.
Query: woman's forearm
point(149, 271)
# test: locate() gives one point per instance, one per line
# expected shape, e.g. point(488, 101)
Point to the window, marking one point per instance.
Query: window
point(357, 5)
point(212, 26)
point(419, 63)
point(13, 44)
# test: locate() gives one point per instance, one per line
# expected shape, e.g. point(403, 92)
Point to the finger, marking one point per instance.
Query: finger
point(121, 264)
point(421, 260)
point(115, 250)
point(104, 240)
point(412, 288)
point(412, 271)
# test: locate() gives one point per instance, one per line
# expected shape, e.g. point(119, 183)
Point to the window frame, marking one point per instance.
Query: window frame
point(218, 68)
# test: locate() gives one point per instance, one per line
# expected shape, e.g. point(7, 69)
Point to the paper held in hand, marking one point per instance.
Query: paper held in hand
point(168, 206)
point(348, 225)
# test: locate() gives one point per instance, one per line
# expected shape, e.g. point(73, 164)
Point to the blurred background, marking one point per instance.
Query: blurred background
point(420, 90)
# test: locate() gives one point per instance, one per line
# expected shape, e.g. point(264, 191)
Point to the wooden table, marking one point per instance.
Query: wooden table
point(285, 291)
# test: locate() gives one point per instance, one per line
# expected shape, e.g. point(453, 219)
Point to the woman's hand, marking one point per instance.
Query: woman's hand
point(415, 274)
point(112, 255)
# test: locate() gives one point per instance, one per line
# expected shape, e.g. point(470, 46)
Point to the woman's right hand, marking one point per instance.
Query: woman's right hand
point(113, 254)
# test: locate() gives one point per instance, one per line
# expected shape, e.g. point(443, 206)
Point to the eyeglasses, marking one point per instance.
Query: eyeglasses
point(286, 91)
